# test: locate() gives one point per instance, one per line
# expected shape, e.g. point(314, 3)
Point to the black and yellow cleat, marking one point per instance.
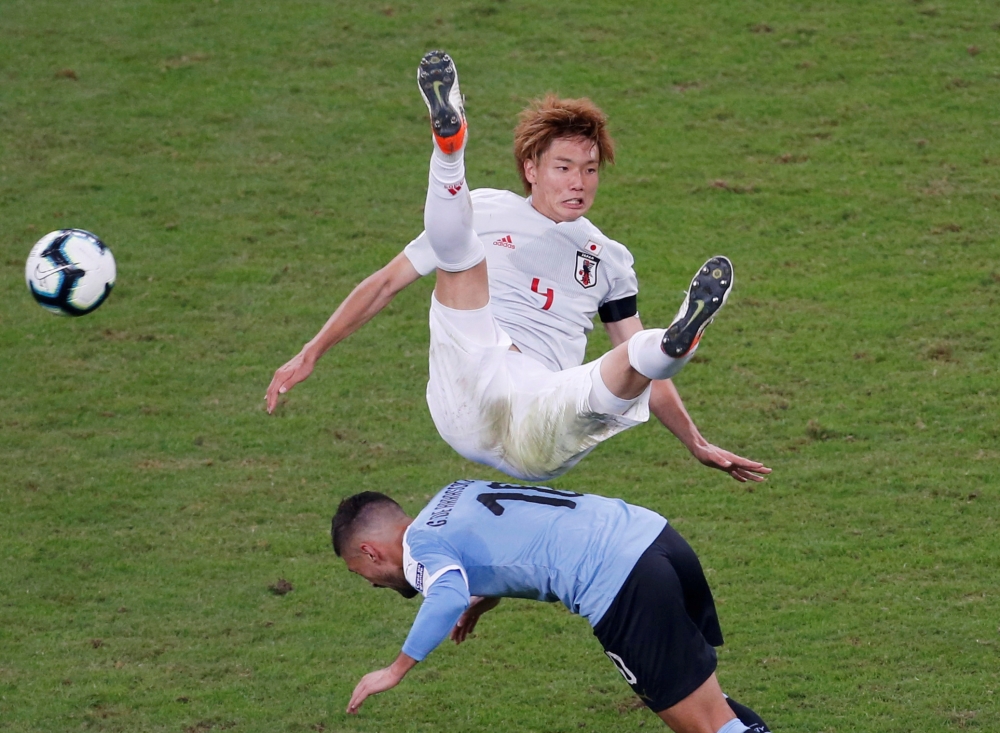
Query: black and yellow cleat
point(437, 78)
point(706, 295)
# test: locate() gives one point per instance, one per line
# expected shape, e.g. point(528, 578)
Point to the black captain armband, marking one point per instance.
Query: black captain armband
point(618, 310)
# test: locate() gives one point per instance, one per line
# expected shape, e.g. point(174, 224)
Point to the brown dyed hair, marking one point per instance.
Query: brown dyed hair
point(550, 118)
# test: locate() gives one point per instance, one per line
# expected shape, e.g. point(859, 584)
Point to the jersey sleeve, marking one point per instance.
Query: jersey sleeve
point(618, 310)
point(426, 558)
point(444, 603)
point(421, 255)
point(620, 302)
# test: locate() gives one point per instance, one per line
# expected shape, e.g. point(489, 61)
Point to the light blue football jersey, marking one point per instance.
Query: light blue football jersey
point(529, 542)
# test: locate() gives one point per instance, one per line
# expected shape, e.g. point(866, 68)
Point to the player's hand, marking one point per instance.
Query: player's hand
point(741, 469)
point(372, 684)
point(468, 620)
point(295, 371)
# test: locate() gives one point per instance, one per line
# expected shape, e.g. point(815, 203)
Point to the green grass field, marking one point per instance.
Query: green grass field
point(249, 163)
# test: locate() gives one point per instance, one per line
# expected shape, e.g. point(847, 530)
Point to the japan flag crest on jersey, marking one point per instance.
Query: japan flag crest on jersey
point(586, 269)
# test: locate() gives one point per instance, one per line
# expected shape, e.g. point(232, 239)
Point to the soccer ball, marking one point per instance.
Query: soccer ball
point(70, 272)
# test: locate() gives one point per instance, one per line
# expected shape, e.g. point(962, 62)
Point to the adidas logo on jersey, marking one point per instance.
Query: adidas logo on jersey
point(505, 241)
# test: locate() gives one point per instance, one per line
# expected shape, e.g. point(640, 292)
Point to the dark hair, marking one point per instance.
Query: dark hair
point(550, 118)
point(348, 513)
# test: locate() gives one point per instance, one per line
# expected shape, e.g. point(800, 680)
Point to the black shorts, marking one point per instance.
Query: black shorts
point(661, 628)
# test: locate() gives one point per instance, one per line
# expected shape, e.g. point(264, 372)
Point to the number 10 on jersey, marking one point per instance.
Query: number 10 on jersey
point(549, 497)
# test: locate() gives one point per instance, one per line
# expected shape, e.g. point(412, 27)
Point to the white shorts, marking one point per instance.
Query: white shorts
point(506, 410)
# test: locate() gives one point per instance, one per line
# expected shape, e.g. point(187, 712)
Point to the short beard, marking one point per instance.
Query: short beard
point(408, 592)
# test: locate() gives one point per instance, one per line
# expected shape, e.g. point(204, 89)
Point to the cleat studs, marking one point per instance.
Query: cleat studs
point(715, 300)
point(717, 273)
point(722, 282)
point(695, 284)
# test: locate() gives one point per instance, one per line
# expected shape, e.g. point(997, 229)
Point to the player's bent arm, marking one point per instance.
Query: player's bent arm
point(478, 605)
point(621, 331)
point(379, 681)
point(666, 405)
point(367, 299)
point(364, 302)
point(664, 401)
point(446, 601)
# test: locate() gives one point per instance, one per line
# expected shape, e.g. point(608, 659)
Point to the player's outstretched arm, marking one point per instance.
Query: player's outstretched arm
point(365, 301)
point(446, 600)
point(478, 605)
point(380, 680)
point(666, 404)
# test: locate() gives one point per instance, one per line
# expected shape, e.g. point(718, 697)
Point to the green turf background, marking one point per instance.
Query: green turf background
point(248, 163)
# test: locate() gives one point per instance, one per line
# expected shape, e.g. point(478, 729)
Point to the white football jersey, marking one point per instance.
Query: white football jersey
point(547, 280)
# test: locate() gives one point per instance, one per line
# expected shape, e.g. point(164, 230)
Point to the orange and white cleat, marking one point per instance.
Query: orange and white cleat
point(437, 78)
point(706, 295)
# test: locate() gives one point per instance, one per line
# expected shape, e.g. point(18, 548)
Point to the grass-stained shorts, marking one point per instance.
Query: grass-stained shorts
point(661, 628)
point(506, 410)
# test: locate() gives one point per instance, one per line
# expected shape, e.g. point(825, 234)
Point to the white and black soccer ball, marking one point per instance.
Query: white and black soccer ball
point(70, 272)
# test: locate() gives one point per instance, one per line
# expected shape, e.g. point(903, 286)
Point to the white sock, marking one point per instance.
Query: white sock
point(733, 726)
point(647, 358)
point(447, 167)
point(603, 400)
point(448, 214)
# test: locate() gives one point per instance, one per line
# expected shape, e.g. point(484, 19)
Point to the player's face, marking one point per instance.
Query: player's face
point(564, 179)
point(380, 574)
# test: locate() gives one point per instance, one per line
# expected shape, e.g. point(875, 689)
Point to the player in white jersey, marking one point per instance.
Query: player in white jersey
point(622, 567)
point(518, 282)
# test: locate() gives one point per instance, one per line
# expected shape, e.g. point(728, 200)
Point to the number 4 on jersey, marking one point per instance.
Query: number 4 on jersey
point(549, 293)
point(492, 501)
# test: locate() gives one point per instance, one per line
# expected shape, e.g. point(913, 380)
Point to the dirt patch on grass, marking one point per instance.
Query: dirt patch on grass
point(205, 725)
point(626, 706)
point(940, 352)
point(281, 587)
point(731, 187)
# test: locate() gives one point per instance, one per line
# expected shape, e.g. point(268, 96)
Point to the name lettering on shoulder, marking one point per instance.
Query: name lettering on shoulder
point(439, 517)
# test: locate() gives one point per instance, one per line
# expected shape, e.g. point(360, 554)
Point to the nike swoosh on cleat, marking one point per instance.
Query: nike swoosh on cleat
point(437, 91)
point(699, 309)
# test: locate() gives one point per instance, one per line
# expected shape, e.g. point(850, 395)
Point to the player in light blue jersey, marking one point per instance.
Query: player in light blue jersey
point(621, 567)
